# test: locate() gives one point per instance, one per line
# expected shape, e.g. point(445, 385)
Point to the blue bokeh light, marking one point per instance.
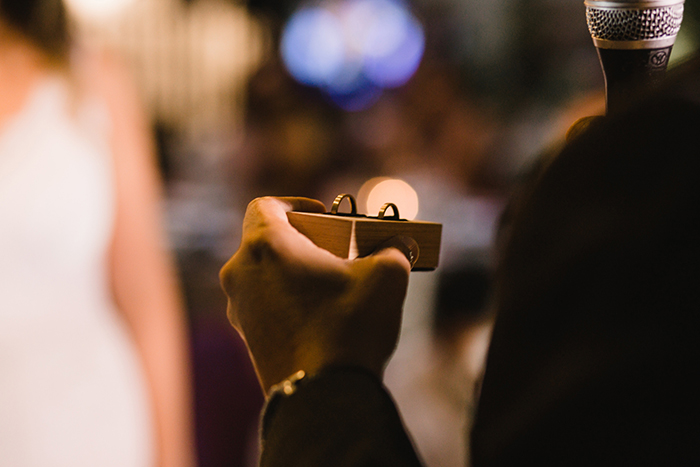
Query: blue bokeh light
point(313, 47)
point(396, 67)
point(352, 49)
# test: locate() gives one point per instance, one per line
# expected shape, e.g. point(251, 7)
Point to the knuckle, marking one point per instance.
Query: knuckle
point(259, 247)
point(254, 210)
point(258, 204)
point(227, 278)
point(225, 275)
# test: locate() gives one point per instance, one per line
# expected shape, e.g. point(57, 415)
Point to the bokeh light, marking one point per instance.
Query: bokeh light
point(389, 39)
point(96, 9)
point(352, 49)
point(377, 191)
point(312, 46)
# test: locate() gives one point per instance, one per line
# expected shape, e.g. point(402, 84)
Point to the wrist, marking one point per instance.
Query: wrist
point(288, 386)
point(311, 359)
point(300, 382)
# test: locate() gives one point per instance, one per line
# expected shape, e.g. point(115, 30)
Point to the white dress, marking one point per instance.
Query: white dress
point(72, 391)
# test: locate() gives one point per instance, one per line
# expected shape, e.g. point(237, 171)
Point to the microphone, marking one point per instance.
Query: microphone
point(634, 39)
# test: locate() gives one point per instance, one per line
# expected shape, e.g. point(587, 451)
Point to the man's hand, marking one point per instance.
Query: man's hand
point(299, 307)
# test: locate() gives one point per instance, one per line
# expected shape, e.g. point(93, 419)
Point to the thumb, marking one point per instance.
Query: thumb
point(387, 268)
point(407, 246)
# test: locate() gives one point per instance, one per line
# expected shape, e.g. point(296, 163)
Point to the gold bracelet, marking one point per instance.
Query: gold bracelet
point(289, 385)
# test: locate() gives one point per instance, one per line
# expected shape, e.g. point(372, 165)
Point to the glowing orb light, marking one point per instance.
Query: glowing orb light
point(388, 37)
point(312, 46)
point(352, 49)
point(378, 191)
point(96, 9)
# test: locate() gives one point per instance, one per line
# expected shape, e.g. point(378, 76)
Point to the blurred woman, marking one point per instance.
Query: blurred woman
point(94, 364)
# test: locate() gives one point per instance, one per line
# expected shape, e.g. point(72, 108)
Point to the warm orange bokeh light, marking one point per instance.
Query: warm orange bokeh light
point(378, 191)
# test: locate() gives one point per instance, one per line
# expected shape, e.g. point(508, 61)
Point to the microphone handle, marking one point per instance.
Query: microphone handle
point(629, 71)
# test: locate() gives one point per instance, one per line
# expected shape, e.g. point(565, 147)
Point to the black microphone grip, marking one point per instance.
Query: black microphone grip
point(627, 72)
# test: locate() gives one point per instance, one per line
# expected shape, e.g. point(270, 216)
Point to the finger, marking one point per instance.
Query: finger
point(389, 263)
point(303, 204)
point(407, 246)
point(271, 212)
point(268, 209)
point(267, 233)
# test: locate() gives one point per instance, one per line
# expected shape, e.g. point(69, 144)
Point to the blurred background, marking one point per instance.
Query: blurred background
point(435, 105)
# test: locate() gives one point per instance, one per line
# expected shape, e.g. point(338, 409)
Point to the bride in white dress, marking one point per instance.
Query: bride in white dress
point(93, 351)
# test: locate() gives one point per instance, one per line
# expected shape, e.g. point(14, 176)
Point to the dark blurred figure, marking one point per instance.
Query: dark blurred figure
point(462, 299)
point(595, 344)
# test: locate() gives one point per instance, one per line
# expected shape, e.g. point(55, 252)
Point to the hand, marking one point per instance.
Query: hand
point(299, 307)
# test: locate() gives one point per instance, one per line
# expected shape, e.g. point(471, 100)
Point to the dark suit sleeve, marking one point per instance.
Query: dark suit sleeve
point(341, 417)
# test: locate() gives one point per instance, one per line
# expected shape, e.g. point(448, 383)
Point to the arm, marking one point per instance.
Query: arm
point(341, 417)
point(142, 272)
point(299, 307)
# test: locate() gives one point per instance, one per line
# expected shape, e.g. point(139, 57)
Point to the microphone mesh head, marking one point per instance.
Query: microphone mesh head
point(623, 26)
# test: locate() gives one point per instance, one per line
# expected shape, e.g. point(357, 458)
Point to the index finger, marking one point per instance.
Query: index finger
point(266, 227)
point(266, 211)
point(303, 204)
